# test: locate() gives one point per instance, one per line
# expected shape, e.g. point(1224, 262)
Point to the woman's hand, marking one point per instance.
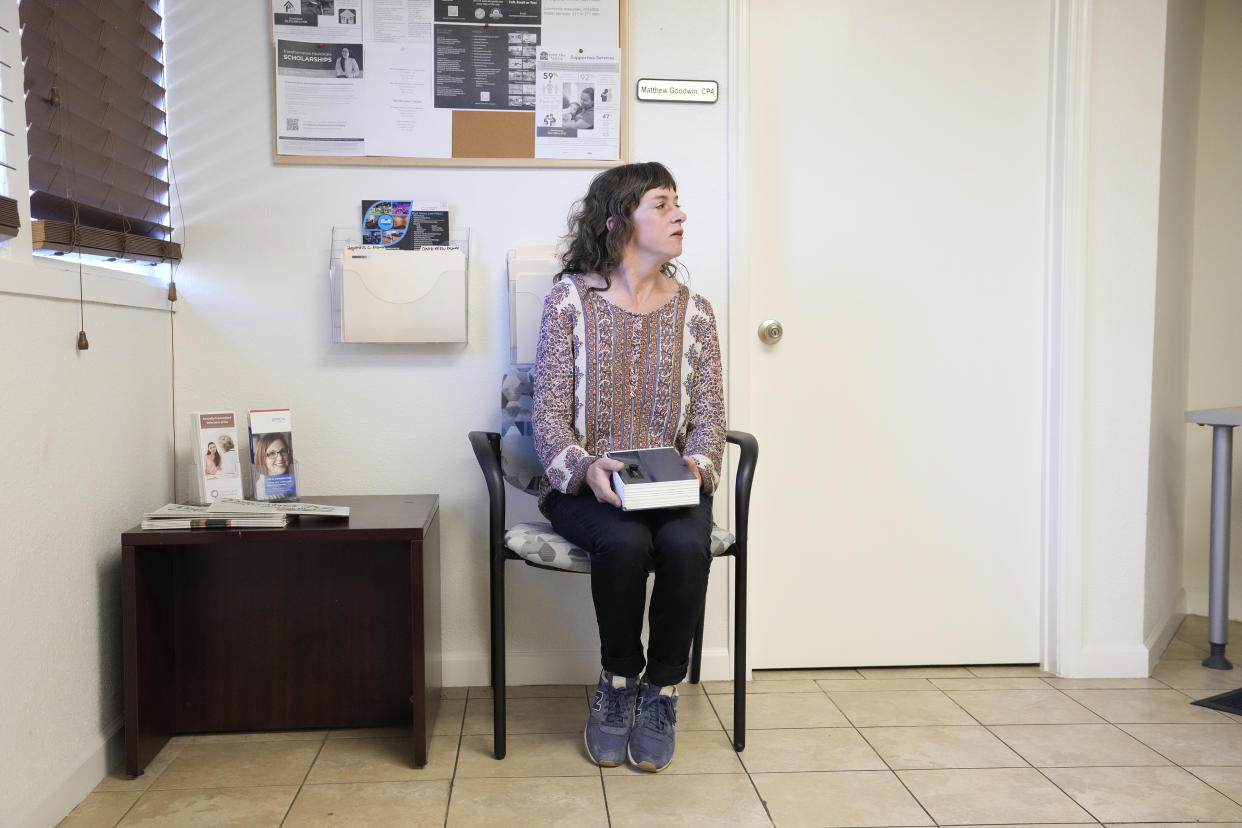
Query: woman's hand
point(599, 478)
point(694, 467)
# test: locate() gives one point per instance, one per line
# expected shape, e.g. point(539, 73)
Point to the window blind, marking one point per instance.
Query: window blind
point(95, 127)
point(10, 222)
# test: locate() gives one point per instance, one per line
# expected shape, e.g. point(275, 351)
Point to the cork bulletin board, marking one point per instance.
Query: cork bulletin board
point(481, 83)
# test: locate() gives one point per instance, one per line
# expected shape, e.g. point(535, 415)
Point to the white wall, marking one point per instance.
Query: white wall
point(1170, 358)
point(1122, 181)
point(87, 450)
point(1215, 335)
point(253, 323)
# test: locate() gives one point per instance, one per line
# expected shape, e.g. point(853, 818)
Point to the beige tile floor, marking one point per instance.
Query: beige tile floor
point(983, 746)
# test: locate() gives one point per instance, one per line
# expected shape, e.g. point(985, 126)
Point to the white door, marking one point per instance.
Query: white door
point(898, 158)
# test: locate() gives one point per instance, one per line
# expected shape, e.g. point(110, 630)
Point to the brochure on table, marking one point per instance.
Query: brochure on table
point(237, 506)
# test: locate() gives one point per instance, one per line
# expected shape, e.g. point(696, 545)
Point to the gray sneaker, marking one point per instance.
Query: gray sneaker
point(612, 715)
point(653, 739)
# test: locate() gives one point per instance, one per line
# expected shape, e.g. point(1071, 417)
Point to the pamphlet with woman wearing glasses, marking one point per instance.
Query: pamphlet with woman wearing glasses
point(272, 468)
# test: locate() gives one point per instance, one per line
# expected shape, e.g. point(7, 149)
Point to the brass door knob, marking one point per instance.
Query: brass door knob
point(770, 331)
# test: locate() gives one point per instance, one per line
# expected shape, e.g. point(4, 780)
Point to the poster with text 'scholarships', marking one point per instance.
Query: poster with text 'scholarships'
point(272, 467)
point(217, 469)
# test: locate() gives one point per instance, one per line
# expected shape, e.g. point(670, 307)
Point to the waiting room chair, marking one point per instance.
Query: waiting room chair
point(509, 456)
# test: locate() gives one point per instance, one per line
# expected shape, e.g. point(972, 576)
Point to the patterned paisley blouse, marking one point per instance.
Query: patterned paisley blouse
point(607, 379)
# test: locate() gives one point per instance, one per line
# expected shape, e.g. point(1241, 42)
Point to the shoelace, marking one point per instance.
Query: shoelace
point(613, 714)
point(662, 717)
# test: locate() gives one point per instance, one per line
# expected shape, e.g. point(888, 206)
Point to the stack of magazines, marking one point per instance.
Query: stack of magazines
point(654, 478)
point(218, 515)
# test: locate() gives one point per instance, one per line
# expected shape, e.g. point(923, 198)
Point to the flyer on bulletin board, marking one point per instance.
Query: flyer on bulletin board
point(579, 111)
point(384, 77)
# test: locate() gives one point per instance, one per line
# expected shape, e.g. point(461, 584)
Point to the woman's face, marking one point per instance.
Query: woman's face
point(658, 224)
point(211, 448)
point(585, 100)
point(277, 457)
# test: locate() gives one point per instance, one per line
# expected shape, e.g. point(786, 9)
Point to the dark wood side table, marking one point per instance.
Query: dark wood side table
point(324, 623)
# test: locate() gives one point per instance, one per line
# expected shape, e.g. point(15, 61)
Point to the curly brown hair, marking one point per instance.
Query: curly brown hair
point(615, 193)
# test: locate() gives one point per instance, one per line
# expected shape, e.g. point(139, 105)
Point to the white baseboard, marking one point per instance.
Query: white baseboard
point(75, 787)
point(564, 667)
point(1106, 662)
point(1160, 638)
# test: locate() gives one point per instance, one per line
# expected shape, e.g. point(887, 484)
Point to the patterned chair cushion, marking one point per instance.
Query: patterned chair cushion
point(518, 462)
point(537, 543)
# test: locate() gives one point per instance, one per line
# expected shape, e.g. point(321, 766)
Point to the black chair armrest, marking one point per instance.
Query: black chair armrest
point(486, 445)
point(745, 476)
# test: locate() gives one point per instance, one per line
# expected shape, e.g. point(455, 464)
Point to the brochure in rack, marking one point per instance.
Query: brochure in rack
point(654, 478)
point(217, 467)
point(272, 467)
point(402, 225)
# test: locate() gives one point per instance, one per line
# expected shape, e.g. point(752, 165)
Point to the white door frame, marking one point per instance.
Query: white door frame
point(1061, 541)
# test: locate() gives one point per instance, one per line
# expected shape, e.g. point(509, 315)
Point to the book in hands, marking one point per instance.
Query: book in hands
point(654, 478)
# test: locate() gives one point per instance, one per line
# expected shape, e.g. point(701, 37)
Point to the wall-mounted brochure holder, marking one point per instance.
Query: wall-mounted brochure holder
point(399, 296)
point(531, 269)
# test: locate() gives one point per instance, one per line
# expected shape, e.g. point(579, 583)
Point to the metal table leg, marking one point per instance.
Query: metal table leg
point(1218, 593)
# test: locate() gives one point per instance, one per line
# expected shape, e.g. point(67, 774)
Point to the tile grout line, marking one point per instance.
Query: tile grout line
point(461, 735)
point(891, 770)
point(604, 790)
point(132, 805)
point(122, 816)
point(763, 803)
point(305, 776)
point(1177, 764)
point(141, 793)
point(1039, 770)
point(1111, 724)
point(885, 761)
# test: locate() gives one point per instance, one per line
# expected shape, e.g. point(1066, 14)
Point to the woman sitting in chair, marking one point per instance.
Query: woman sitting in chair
point(628, 358)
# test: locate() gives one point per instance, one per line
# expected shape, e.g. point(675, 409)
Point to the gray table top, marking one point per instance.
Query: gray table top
point(1216, 416)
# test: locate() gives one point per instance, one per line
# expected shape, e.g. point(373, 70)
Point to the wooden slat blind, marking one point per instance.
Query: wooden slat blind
point(10, 222)
point(95, 122)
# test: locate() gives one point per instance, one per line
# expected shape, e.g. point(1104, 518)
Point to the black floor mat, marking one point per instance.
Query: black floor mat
point(1230, 702)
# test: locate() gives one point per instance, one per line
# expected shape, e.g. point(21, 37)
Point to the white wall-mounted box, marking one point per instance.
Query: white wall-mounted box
point(531, 270)
point(403, 295)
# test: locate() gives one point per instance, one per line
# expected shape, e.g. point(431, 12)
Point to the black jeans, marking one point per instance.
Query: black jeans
point(624, 547)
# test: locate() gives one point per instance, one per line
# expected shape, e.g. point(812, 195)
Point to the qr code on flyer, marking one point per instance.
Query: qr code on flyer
point(291, 124)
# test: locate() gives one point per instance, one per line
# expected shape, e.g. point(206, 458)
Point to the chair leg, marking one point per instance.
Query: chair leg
point(739, 653)
point(498, 655)
point(696, 648)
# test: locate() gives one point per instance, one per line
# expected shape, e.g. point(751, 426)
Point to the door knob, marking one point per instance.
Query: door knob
point(771, 331)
